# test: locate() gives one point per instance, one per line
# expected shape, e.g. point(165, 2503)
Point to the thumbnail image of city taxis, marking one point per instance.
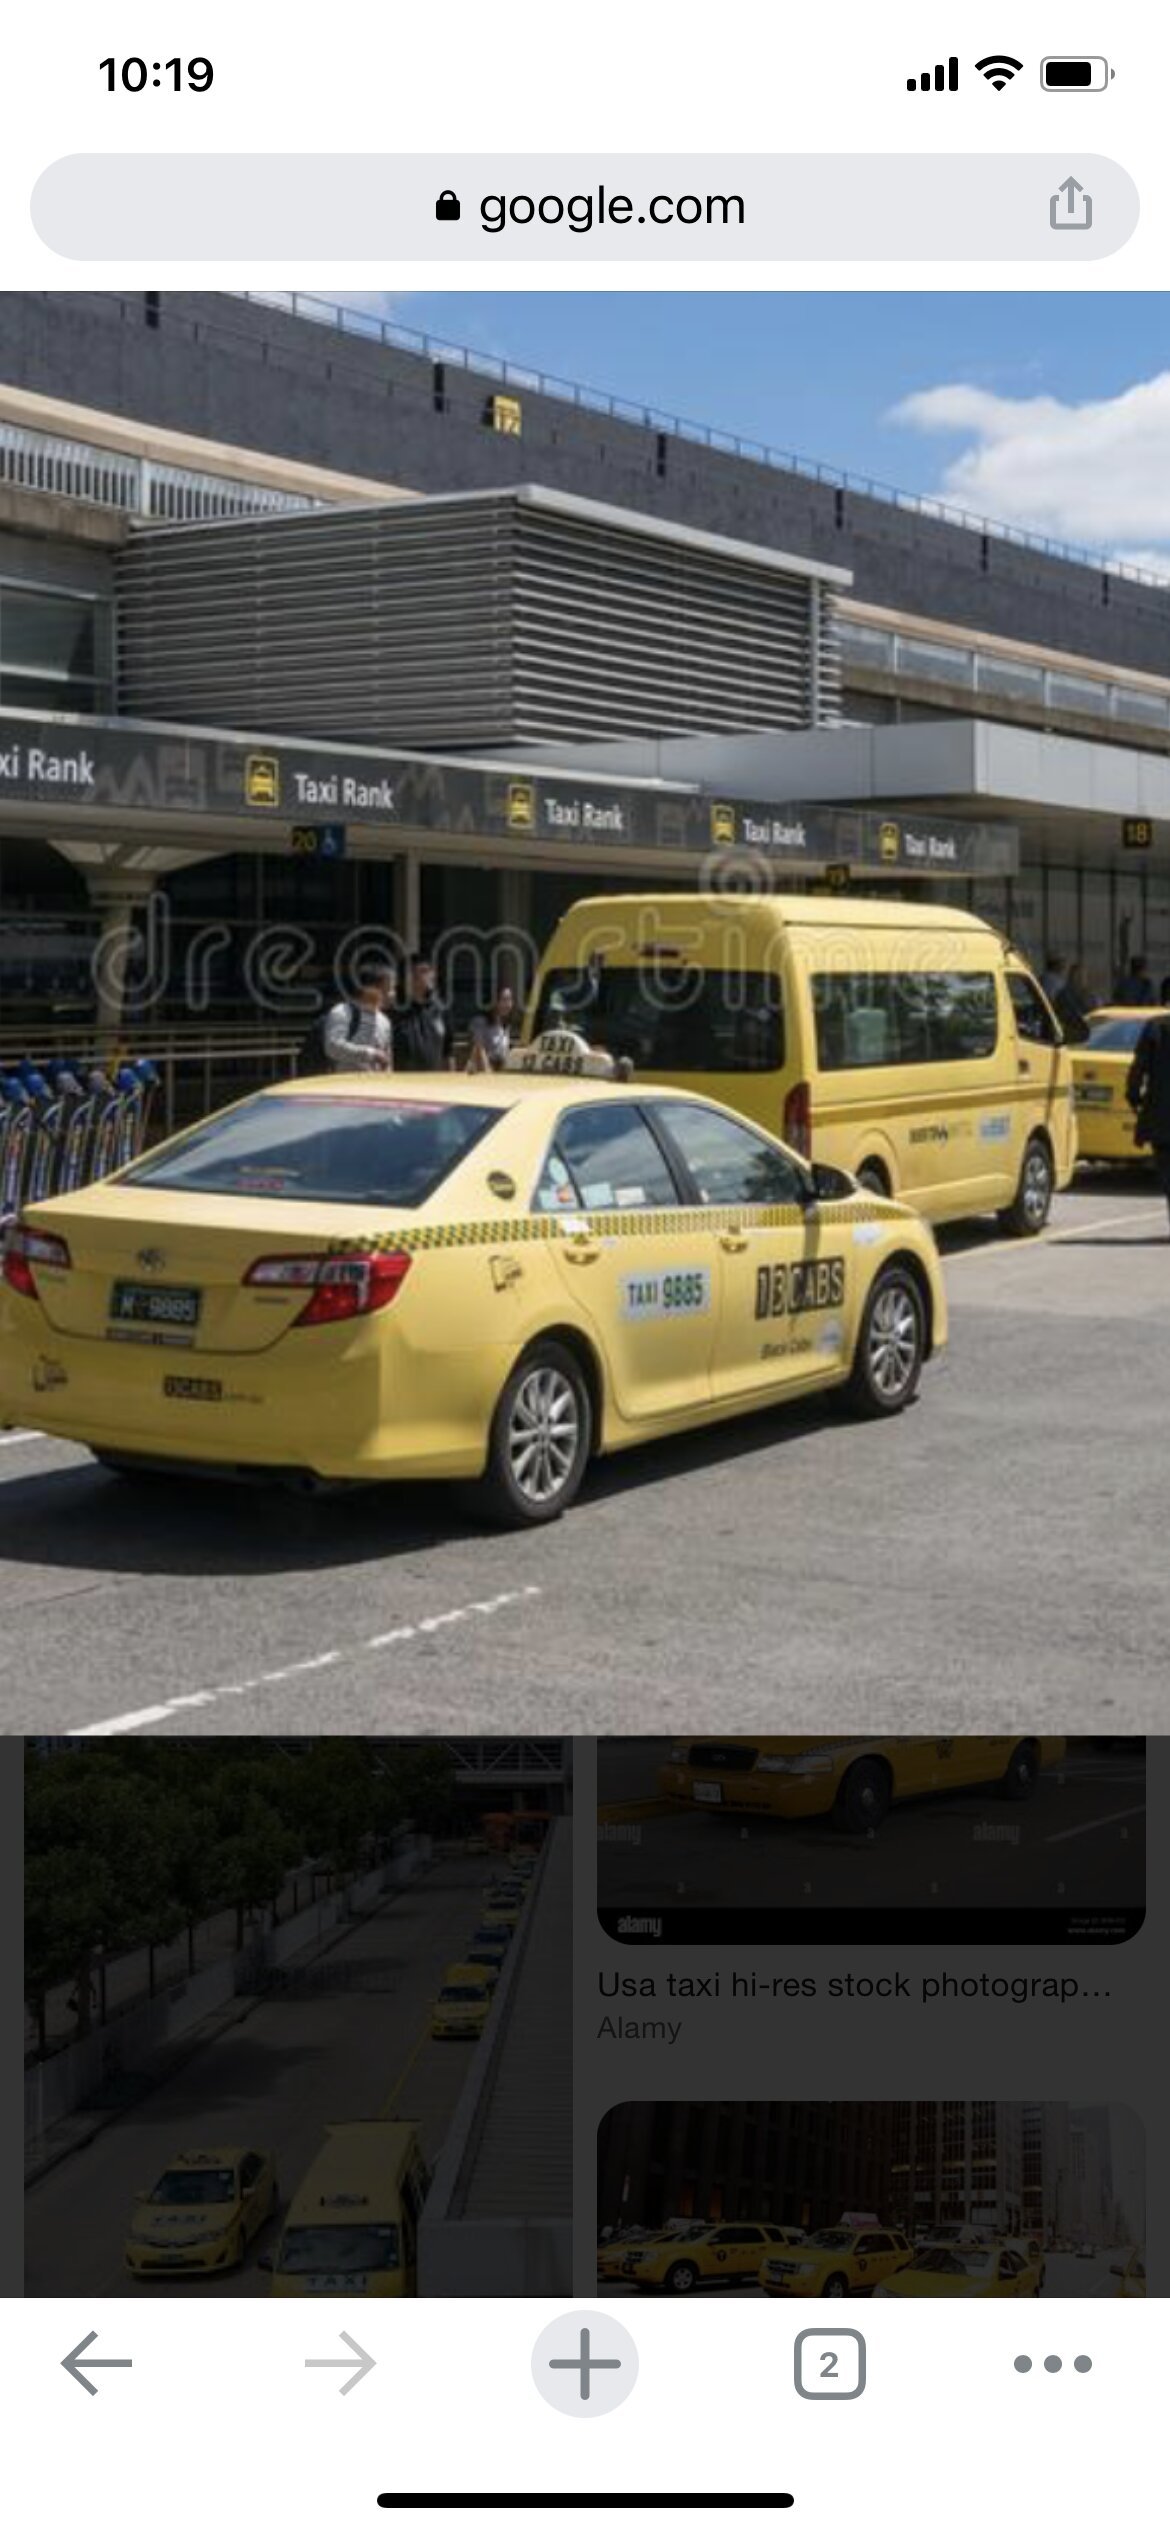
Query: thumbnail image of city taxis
point(248, 1969)
point(965, 2200)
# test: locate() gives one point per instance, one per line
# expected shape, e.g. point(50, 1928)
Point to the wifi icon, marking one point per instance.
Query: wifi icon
point(998, 68)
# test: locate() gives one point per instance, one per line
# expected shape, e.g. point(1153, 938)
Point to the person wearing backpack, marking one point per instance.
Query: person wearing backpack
point(357, 1035)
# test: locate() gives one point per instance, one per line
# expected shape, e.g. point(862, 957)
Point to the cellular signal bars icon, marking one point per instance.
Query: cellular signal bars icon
point(944, 75)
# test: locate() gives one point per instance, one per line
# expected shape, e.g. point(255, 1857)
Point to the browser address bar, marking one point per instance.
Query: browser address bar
point(304, 207)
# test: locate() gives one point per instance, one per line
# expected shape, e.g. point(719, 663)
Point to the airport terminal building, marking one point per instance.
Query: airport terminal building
point(312, 631)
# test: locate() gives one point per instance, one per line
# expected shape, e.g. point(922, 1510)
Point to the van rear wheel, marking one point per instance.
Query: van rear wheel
point(1025, 1217)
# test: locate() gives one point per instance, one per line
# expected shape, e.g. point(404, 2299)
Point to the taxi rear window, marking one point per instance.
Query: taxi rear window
point(320, 1150)
point(1115, 1037)
point(670, 1018)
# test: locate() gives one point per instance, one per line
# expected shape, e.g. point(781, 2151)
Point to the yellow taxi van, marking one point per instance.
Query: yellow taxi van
point(907, 1044)
point(352, 2225)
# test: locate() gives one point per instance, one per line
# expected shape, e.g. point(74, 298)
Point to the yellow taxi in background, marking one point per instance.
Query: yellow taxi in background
point(352, 2225)
point(611, 2254)
point(460, 2009)
point(488, 1279)
point(1130, 2269)
point(1100, 1070)
point(964, 2269)
point(203, 2211)
point(702, 2255)
point(852, 1781)
point(854, 2257)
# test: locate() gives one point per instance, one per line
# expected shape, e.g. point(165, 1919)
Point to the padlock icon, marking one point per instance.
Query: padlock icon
point(447, 207)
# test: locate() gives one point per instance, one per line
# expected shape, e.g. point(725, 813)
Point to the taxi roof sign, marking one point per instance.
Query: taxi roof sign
point(563, 1051)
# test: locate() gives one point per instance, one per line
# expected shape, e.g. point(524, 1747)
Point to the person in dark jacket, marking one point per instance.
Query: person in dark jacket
point(1073, 1004)
point(1148, 1092)
point(423, 1036)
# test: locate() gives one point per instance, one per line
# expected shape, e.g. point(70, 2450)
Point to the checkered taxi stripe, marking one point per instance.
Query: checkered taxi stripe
point(515, 1230)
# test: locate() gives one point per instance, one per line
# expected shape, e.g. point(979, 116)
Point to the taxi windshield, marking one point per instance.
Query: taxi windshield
point(471, 1994)
point(942, 2262)
point(341, 2248)
point(834, 2238)
point(320, 1149)
point(668, 1017)
point(195, 2189)
point(1114, 1037)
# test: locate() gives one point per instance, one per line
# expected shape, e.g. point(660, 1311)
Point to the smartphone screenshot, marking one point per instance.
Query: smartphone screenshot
point(584, 1267)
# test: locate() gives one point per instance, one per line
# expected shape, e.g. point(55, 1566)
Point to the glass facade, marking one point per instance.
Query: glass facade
point(54, 649)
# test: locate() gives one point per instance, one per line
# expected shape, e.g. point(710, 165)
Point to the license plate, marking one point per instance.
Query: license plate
point(1094, 1094)
point(708, 1793)
point(156, 1305)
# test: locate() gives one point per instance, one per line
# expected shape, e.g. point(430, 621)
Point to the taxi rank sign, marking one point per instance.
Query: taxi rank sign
point(149, 771)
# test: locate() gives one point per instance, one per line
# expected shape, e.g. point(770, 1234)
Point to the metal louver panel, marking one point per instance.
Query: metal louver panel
point(472, 620)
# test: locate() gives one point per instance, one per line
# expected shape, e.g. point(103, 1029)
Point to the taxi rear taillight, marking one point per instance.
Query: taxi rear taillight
point(797, 1128)
point(24, 1251)
point(336, 1288)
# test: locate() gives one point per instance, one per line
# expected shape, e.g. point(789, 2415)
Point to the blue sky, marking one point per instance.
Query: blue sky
point(1051, 409)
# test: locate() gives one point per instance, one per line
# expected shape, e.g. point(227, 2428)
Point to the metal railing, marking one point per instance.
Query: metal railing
point(515, 375)
point(936, 661)
point(144, 487)
point(199, 1072)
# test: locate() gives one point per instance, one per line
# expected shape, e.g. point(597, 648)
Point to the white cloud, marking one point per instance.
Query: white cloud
point(1091, 474)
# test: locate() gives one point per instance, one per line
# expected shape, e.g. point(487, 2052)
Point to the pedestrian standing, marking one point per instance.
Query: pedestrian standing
point(424, 1040)
point(491, 1034)
point(1073, 1004)
point(1052, 975)
point(358, 1034)
point(1148, 1092)
point(1134, 988)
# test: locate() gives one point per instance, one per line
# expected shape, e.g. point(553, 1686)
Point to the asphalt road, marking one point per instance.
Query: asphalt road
point(997, 1553)
point(1079, 1843)
point(355, 2046)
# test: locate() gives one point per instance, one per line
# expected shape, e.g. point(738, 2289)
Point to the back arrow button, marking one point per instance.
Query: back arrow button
point(72, 2363)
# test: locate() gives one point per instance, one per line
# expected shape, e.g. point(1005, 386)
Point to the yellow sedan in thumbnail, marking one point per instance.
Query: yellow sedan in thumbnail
point(945, 2268)
point(203, 2211)
point(682, 2258)
point(1130, 2268)
point(849, 1781)
point(1100, 1070)
point(487, 1279)
point(842, 2259)
point(460, 2009)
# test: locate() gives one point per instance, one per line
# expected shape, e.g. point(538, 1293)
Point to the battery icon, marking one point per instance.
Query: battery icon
point(1076, 71)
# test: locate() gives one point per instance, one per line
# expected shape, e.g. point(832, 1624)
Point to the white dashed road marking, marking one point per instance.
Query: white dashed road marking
point(413, 1633)
point(1086, 1827)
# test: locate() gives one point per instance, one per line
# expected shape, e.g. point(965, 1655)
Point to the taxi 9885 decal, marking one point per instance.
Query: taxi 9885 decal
point(685, 1290)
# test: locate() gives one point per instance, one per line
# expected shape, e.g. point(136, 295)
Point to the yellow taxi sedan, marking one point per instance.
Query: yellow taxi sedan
point(1131, 2270)
point(487, 1279)
point(849, 2258)
point(852, 1782)
point(678, 2261)
point(202, 2213)
point(1100, 1070)
point(964, 2270)
point(460, 2009)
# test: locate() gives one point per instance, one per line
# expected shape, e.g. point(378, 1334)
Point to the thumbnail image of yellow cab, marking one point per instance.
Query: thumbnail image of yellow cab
point(1101, 1066)
point(352, 2227)
point(852, 1782)
point(488, 1279)
point(962, 2198)
point(906, 1044)
point(202, 2213)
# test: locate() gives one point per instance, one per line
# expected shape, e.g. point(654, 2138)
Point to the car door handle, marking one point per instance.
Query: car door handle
point(734, 1242)
point(582, 1252)
point(1024, 1065)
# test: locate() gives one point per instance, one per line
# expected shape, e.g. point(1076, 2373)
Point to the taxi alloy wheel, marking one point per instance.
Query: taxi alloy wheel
point(837, 2284)
point(887, 1365)
point(682, 2278)
point(540, 1440)
point(1019, 1780)
point(1031, 1205)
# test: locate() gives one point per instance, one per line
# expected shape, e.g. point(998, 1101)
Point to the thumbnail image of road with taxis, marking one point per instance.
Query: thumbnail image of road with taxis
point(903, 2199)
point(255, 1977)
point(1009, 1836)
